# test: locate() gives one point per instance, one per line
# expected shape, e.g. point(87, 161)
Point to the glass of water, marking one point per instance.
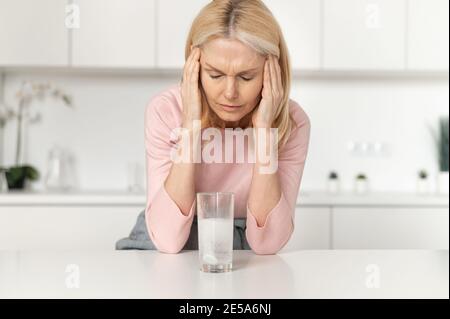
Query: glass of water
point(215, 217)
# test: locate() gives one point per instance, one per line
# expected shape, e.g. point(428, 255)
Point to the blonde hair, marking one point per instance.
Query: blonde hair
point(252, 23)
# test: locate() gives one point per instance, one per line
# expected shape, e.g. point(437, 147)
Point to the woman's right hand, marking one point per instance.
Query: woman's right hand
point(190, 91)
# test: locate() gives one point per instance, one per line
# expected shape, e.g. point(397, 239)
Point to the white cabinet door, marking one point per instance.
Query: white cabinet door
point(300, 23)
point(115, 33)
point(364, 34)
point(33, 33)
point(312, 229)
point(174, 19)
point(390, 228)
point(65, 227)
point(428, 34)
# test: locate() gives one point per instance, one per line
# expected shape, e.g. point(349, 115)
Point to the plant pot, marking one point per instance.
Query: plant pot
point(423, 186)
point(333, 186)
point(16, 177)
point(361, 186)
point(442, 183)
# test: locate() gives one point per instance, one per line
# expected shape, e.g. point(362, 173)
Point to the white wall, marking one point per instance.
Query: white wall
point(390, 111)
point(105, 129)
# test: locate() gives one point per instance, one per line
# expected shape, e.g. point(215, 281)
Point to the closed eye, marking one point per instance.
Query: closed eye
point(242, 77)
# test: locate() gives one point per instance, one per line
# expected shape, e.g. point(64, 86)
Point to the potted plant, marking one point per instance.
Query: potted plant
point(423, 186)
point(361, 184)
point(333, 183)
point(18, 174)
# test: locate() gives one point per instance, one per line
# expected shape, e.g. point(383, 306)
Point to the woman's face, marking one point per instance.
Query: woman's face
point(231, 74)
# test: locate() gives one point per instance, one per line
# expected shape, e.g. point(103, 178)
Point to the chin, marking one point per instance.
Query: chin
point(229, 118)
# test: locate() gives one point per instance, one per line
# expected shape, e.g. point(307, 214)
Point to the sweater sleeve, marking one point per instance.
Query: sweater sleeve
point(279, 224)
point(167, 226)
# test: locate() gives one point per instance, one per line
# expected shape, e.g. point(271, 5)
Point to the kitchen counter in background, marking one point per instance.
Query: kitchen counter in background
point(95, 220)
point(300, 274)
point(304, 199)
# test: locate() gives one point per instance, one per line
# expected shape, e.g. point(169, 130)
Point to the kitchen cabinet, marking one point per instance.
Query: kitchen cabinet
point(312, 229)
point(96, 220)
point(324, 35)
point(428, 25)
point(33, 33)
point(174, 19)
point(364, 34)
point(299, 20)
point(62, 227)
point(390, 228)
point(57, 227)
point(114, 33)
point(301, 25)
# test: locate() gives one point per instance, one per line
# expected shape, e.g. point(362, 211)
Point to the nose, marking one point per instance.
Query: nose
point(231, 90)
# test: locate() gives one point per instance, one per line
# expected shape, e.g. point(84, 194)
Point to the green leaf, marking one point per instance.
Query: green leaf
point(31, 173)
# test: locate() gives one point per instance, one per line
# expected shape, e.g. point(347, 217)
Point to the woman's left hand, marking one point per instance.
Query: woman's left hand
point(272, 94)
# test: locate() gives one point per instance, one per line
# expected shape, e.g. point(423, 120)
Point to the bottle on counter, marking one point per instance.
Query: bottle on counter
point(135, 176)
point(3, 181)
point(59, 171)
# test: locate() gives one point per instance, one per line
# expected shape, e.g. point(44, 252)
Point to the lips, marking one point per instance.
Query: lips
point(230, 106)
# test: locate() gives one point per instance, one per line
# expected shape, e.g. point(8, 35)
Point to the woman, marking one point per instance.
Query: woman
point(236, 75)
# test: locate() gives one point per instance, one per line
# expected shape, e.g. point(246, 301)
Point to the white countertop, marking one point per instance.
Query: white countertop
point(299, 274)
point(304, 199)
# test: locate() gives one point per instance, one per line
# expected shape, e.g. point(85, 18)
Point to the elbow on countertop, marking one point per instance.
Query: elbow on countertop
point(168, 248)
point(270, 246)
point(165, 244)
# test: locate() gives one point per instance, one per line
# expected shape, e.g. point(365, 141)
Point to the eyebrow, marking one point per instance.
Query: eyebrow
point(240, 73)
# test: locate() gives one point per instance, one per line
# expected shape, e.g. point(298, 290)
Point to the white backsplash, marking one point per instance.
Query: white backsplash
point(105, 130)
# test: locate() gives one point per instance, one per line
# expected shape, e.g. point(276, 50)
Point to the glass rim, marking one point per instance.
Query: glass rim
point(215, 193)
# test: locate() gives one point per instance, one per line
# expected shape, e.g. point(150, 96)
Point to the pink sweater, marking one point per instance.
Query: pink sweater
point(169, 229)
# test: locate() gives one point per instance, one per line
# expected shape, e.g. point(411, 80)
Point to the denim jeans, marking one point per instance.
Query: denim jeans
point(139, 238)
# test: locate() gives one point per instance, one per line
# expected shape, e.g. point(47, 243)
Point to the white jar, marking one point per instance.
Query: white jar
point(361, 186)
point(333, 186)
point(422, 186)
